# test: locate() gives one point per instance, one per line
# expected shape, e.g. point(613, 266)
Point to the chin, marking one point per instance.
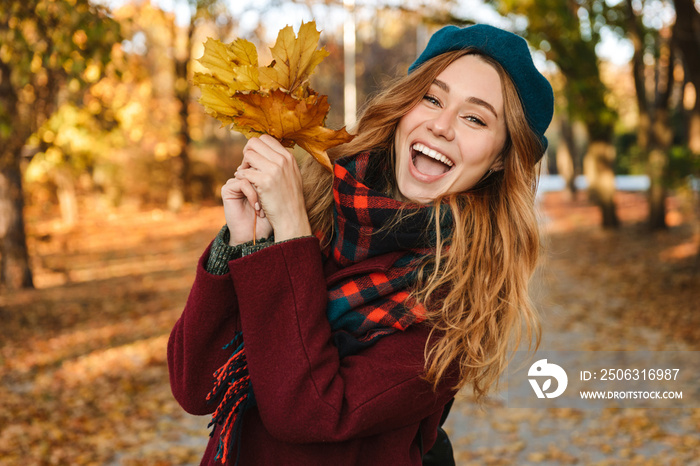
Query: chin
point(417, 197)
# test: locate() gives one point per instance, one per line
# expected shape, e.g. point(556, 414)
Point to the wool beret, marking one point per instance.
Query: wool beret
point(512, 52)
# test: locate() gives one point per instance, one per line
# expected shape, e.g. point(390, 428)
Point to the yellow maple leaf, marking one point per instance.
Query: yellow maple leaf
point(293, 59)
point(234, 65)
point(222, 59)
point(217, 100)
point(247, 78)
point(244, 52)
point(274, 99)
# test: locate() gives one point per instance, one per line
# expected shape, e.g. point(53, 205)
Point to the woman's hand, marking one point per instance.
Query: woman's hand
point(274, 174)
point(241, 208)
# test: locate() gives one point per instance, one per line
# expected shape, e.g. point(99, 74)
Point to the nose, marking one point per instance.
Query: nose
point(441, 125)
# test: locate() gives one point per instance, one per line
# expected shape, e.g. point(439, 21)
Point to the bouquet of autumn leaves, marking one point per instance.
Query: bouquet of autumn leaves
point(275, 99)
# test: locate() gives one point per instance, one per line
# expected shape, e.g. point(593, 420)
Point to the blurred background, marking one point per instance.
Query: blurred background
point(109, 191)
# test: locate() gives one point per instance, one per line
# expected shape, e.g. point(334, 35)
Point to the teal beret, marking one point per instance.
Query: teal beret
point(512, 52)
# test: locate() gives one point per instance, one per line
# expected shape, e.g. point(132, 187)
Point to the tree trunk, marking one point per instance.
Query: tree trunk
point(694, 127)
point(634, 31)
point(658, 161)
point(661, 133)
point(15, 272)
point(654, 135)
point(565, 157)
point(597, 165)
point(180, 168)
point(686, 38)
point(657, 168)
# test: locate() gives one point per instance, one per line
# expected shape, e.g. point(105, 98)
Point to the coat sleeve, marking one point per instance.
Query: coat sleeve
point(195, 348)
point(304, 392)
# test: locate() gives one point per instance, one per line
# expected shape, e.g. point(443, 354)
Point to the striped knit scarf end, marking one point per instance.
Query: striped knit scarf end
point(234, 397)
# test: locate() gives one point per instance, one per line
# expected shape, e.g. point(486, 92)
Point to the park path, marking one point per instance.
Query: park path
point(578, 318)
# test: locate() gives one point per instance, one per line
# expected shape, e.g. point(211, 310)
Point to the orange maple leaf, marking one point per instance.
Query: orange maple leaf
point(291, 121)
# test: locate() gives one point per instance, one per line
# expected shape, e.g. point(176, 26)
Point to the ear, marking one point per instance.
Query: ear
point(497, 164)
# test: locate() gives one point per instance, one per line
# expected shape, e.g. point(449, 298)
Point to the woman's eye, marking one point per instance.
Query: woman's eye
point(431, 99)
point(474, 119)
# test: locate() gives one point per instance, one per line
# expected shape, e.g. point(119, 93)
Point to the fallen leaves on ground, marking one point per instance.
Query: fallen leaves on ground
point(631, 277)
point(623, 290)
point(83, 357)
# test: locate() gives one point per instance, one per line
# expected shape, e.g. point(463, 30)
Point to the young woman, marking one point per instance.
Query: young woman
point(375, 293)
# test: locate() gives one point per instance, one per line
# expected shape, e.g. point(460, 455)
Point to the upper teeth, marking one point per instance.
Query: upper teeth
point(433, 154)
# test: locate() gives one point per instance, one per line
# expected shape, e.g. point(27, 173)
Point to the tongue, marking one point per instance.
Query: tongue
point(429, 166)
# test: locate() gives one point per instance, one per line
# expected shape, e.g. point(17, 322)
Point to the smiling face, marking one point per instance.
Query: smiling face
point(453, 136)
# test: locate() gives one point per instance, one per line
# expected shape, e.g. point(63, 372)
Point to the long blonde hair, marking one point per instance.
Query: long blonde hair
point(475, 287)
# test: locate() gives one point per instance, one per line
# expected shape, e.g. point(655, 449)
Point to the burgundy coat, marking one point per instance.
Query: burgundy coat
point(313, 408)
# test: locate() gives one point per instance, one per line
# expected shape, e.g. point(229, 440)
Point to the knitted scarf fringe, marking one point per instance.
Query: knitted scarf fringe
point(233, 394)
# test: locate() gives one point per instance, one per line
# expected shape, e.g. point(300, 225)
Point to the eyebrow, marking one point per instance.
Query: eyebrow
point(474, 100)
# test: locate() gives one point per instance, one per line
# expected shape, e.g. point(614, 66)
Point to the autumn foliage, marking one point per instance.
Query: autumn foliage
point(274, 99)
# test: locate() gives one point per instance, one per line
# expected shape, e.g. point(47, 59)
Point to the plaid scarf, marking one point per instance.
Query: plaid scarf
point(361, 308)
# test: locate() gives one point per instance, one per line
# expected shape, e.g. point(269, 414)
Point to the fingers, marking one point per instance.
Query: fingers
point(272, 144)
point(263, 152)
point(239, 189)
point(267, 164)
point(260, 178)
point(244, 217)
point(273, 173)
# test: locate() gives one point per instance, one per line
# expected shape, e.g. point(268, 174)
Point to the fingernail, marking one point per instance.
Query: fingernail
point(257, 206)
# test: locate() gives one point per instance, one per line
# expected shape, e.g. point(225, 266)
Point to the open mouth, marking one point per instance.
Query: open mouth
point(428, 161)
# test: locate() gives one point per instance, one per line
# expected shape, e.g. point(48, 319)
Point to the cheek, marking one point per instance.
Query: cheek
point(401, 140)
point(478, 151)
point(410, 121)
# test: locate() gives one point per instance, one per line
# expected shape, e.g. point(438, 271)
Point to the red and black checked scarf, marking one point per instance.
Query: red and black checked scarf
point(361, 308)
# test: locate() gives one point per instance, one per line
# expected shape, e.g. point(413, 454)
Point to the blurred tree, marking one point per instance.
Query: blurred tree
point(49, 49)
point(158, 120)
point(687, 40)
point(567, 158)
point(69, 149)
point(566, 155)
point(144, 103)
point(568, 33)
point(654, 134)
point(200, 11)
